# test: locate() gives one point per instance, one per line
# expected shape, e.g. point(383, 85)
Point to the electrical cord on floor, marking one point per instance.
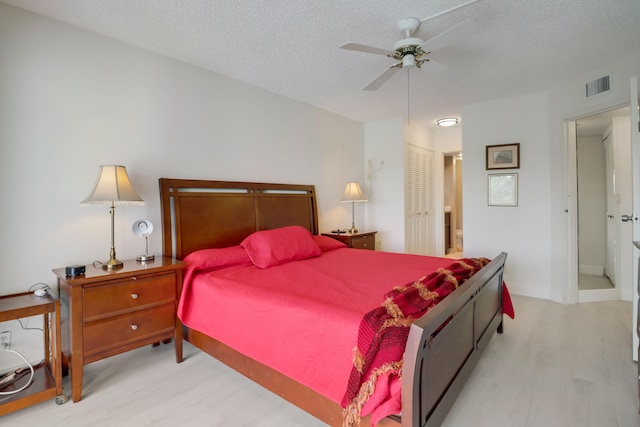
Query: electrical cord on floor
point(13, 376)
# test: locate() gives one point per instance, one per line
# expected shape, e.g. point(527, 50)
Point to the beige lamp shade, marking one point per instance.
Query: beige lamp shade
point(353, 193)
point(113, 188)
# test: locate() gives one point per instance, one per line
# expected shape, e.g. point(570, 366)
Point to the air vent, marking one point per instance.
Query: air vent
point(597, 86)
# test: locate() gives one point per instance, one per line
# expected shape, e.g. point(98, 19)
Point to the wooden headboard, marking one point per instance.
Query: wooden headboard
point(198, 214)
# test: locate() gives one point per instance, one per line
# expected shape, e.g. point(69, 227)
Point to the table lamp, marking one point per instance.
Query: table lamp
point(353, 193)
point(113, 188)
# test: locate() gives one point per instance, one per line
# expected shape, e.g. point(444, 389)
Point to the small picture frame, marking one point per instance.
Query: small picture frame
point(505, 156)
point(502, 189)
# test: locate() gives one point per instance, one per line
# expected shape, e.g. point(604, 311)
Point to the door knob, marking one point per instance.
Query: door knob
point(627, 218)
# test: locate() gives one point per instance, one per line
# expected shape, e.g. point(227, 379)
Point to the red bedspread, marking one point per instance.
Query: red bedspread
point(300, 318)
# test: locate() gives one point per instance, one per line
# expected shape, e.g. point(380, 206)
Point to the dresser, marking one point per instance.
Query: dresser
point(108, 312)
point(361, 240)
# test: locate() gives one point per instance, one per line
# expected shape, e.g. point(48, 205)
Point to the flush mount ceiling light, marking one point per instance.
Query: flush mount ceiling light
point(447, 122)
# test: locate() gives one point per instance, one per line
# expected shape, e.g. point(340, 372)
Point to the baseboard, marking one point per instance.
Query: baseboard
point(626, 294)
point(598, 295)
point(527, 291)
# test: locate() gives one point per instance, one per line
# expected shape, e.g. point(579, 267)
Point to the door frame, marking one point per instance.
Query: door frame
point(571, 209)
point(634, 119)
point(438, 193)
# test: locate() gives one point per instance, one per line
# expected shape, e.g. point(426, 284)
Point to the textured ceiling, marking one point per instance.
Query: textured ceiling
point(291, 47)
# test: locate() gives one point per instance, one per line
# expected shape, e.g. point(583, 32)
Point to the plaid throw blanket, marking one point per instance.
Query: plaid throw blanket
point(383, 332)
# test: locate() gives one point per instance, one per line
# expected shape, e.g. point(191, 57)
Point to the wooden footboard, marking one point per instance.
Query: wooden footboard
point(444, 346)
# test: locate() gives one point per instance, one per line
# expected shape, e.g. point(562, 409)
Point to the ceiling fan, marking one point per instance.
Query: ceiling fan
point(412, 51)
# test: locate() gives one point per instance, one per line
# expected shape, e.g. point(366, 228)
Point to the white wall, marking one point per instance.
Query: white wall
point(419, 135)
point(568, 101)
point(536, 232)
point(538, 263)
point(72, 100)
point(384, 152)
point(522, 231)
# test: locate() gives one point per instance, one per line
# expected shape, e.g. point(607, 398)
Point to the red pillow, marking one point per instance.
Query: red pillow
point(267, 248)
point(205, 259)
point(326, 243)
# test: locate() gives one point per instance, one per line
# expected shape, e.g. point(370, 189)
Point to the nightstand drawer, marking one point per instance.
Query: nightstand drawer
point(364, 242)
point(131, 294)
point(115, 332)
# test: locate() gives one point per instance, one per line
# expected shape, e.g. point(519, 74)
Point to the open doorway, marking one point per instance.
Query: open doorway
point(453, 231)
point(598, 203)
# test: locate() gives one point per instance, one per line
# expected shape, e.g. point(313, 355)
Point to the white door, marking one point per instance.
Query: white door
point(635, 183)
point(419, 221)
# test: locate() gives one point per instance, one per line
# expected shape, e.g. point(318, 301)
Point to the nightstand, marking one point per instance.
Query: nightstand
point(108, 312)
point(361, 240)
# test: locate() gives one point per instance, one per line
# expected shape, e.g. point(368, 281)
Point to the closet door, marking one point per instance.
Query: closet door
point(419, 215)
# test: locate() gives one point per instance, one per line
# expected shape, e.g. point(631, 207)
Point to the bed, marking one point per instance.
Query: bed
point(441, 347)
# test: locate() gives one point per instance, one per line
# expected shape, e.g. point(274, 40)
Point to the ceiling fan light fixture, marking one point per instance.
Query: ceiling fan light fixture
point(408, 61)
point(446, 122)
point(411, 51)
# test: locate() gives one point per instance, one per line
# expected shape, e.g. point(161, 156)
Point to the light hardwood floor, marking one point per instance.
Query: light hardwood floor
point(555, 365)
point(590, 282)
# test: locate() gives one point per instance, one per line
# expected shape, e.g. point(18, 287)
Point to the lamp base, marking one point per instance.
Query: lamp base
point(353, 230)
point(112, 264)
point(145, 258)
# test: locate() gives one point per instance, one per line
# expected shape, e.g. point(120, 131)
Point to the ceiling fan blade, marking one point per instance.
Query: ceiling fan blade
point(382, 78)
point(368, 49)
point(444, 12)
point(453, 35)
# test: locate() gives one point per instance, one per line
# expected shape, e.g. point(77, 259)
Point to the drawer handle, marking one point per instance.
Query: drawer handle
point(134, 278)
point(134, 327)
point(134, 296)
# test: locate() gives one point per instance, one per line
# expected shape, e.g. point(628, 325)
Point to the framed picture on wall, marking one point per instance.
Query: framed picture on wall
point(505, 156)
point(502, 189)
